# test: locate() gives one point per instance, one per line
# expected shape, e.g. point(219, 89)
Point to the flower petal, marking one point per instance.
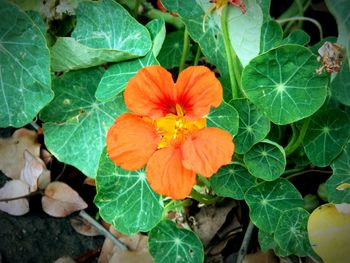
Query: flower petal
point(166, 174)
point(206, 150)
point(197, 90)
point(131, 141)
point(151, 92)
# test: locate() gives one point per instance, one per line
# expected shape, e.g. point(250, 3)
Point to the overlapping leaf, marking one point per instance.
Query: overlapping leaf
point(167, 244)
point(105, 32)
point(341, 85)
point(298, 36)
point(327, 133)
point(232, 180)
point(253, 125)
point(271, 35)
point(283, 83)
point(77, 124)
point(268, 200)
point(25, 82)
point(125, 199)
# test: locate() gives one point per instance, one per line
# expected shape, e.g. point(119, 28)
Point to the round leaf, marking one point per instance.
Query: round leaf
point(266, 160)
point(77, 124)
point(232, 181)
point(253, 125)
point(341, 175)
point(291, 232)
point(268, 200)
point(25, 82)
point(125, 198)
point(224, 117)
point(168, 244)
point(284, 84)
point(327, 133)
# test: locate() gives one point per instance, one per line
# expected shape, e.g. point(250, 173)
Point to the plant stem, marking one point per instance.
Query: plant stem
point(229, 52)
point(308, 171)
point(198, 55)
point(303, 18)
point(184, 50)
point(22, 196)
point(244, 247)
point(291, 147)
point(204, 199)
point(120, 246)
point(168, 18)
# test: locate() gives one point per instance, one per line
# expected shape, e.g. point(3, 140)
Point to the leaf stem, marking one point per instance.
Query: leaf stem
point(291, 147)
point(308, 171)
point(204, 199)
point(303, 18)
point(231, 56)
point(198, 55)
point(244, 247)
point(184, 50)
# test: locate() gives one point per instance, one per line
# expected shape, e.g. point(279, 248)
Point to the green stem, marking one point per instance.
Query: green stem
point(198, 55)
point(291, 147)
point(168, 18)
point(204, 199)
point(308, 171)
point(303, 18)
point(229, 53)
point(184, 50)
point(293, 10)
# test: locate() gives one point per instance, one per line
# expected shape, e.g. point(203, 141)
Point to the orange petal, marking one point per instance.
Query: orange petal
point(150, 92)
point(131, 141)
point(206, 150)
point(197, 90)
point(166, 174)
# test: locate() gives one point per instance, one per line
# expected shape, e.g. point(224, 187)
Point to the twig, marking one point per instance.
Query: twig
point(244, 247)
point(102, 230)
point(309, 171)
point(20, 197)
point(61, 173)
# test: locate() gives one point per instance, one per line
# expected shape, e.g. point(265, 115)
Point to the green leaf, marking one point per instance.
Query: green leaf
point(157, 30)
point(267, 242)
point(171, 52)
point(168, 244)
point(268, 200)
point(38, 21)
point(340, 85)
point(283, 83)
point(245, 31)
point(340, 10)
point(265, 7)
point(298, 36)
point(232, 181)
point(105, 32)
point(25, 5)
point(125, 199)
point(271, 35)
point(77, 124)
point(291, 232)
point(327, 133)
point(253, 125)
point(266, 160)
point(25, 81)
point(341, 175)
point(224, 117)
point(117, 76)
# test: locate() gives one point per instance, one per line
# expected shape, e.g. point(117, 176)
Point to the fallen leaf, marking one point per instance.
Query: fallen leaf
point(45, 156)
point(65, 259)
point(329, 233)
point(343, 186)
point(260, 257)
point(60, 200)
point(13, 189)
point(131, 257)
point(44, 179)
point(83, 227)
point(12, 150)
point(33, 168)
point(90, 181)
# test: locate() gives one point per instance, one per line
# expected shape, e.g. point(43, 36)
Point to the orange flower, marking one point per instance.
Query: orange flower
point(166, 129)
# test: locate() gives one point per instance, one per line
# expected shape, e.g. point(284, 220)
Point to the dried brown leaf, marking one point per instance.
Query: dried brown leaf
point(13, 189)
point(90, 181)
point(65, 259)
point(60, 200)
point(83, 227)
point(261, 257)
point(131, 257)
point(12, 150)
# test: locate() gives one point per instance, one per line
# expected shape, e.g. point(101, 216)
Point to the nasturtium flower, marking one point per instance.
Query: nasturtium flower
point(166, 131)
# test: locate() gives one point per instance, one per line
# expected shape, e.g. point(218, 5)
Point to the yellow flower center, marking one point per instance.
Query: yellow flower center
point(175, 128)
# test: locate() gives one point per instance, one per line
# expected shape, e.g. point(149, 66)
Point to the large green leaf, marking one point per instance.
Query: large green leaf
point(327, 133)
point(25, 82)
point(77, 124)
point(224, 117)
point(245, 31)
point(265, 8)
point(253, 125)
point(341, 85)
point(105, 32)
point(271, 35)
point(156, 28)
point(291, 232)
point(267, 242)
point(168, 244)
point(266, 160)
point(125, 199)
point(232, 180)
point(268, 200)
point(284, 84)
point(341, 175)
point(298, 36)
